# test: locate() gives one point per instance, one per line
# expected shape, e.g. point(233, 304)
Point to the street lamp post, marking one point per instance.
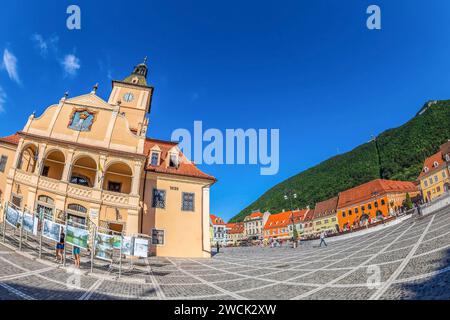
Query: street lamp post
point(290, 195)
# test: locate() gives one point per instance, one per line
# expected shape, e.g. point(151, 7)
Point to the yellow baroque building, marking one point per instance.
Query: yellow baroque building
point(86, 159)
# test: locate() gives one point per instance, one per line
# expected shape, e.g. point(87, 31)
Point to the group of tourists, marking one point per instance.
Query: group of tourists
point(60, 251)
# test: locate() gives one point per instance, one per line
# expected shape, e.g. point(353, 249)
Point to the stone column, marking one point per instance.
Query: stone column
point(136, 178)
point(40, 160)
point(68, 165)
point(206, 241)
point(98, 184)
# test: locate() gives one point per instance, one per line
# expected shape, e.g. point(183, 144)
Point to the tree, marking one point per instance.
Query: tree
point(408, 202)
point(295, 233)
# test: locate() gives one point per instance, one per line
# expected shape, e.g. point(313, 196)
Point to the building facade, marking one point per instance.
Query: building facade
point(278, 226)
point(325, 216)
point(219, 231)
point(88, 160)
point(235, 233)
point(371, 201)
point(434, 178)
point(254, 225)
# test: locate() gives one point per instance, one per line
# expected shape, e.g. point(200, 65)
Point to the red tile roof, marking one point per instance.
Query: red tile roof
point(12, 139)
point(216, 220)
point(373, 188)
point(299, 215)
point(254, 215)
point(429, 164)
point(278, 220)
point(445, 148)
point(326, 208)
point(235, 228)
point(309, 215)
point(186, 168)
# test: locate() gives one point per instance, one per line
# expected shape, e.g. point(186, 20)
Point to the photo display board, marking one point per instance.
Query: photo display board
point(52, 230)
point(104, 246)
point(140, 247)
point(78, 237)
point(30, 223)
point(13, 217)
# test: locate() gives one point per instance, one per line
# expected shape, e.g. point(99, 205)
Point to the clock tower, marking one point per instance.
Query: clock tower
point(133, 96)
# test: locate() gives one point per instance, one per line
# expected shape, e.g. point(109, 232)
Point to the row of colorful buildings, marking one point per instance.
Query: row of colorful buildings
point(352, 208)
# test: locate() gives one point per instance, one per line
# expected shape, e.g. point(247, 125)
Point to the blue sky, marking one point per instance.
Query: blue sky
point(310, 68)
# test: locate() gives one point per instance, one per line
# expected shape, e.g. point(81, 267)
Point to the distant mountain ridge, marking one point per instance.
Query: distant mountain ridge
point(396, 154)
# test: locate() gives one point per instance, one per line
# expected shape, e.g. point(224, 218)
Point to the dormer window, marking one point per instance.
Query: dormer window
point(154, 160)
point(425, 169)
point(173, 160)
point(435, 164)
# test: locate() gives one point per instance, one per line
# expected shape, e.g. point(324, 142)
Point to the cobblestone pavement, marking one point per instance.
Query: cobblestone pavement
point(411, 260)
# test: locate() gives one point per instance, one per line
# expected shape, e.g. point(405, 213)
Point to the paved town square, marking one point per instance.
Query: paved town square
point(407, 260)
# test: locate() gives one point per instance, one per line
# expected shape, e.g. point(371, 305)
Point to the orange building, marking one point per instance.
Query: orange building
point(277, 226)
point(374, 199)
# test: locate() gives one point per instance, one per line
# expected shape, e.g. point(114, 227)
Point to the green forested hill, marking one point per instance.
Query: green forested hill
point(395, 154)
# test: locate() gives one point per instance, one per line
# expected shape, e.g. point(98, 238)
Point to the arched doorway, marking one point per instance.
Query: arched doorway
point(76, 213)
point(379, 215)
point(54, 165)
point(364, 218)
point(28, 158)
point(45, 207)
point(84, 172)
point(118, 178)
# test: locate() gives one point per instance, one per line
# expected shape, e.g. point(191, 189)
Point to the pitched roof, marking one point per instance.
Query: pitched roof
point(309, 215)
point(429, 166)
point(253, 215)
point(373, 188)
point(299, 215)
point(326, 208)
point(216, 220)
point(12, 139)
point(278, 220)
point(445, 148)
point(185, 168)
point(235, 228)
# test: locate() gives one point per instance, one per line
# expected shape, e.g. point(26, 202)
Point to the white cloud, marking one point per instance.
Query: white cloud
point(71, 65)
point(2, 100)
point(44, 45)
point(10, 64)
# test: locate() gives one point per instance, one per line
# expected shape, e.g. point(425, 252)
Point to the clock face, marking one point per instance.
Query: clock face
point(128, 97)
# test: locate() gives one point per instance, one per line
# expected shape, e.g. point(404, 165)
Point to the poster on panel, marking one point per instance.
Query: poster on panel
point(51, 230)
point(78, 237)
point(30, 223)
point(141, 247)
point(127, 246)
point(104, 246)
point(13, 217)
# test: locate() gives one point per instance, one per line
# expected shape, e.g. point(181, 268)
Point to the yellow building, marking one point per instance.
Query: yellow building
point(325, 216)
point(434, 178)
point(85, 158)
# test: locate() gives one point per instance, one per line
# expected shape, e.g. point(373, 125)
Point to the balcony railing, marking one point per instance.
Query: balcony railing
point(76, 191)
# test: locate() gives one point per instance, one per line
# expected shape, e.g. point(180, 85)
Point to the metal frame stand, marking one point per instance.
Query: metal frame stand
point(65, 248)
point(120, 257)
point(93, 250)
point(4, 221)
point(20, 233)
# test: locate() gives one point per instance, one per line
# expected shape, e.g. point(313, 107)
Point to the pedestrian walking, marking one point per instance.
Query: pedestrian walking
point(76, 255)
point(322, 239)
point(217, 246)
